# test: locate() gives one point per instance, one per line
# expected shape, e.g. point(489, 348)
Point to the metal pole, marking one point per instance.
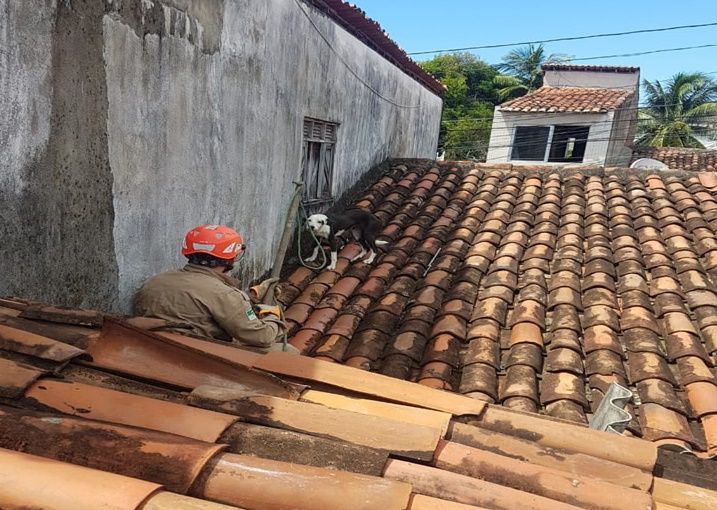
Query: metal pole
point(288, 231)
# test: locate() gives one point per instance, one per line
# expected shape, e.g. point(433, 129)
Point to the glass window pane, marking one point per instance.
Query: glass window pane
point(568, 145)
point(530, 142)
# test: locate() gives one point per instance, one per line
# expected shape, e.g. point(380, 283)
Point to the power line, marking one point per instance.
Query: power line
point(663, 50)
point(347, 66)
point(574, 38)
point(552, 115)
point(603, 125)
point(530, 141)
point(593, 136)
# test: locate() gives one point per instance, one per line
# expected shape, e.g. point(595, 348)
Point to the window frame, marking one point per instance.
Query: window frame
point(515, 137)
point(319, 141)
point(549, 141)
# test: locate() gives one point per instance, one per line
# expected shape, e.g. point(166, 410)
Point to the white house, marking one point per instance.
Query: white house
point(581, 114)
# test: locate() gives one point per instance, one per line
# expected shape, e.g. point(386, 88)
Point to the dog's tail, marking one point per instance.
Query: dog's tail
point(381, 245)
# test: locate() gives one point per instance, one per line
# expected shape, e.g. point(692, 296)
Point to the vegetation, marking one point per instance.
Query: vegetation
point(522, 73)
point(468, 103)
point(474, 88)
point(678, 111)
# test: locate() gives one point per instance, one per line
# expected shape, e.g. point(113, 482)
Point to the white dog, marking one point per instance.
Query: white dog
point(364, 226)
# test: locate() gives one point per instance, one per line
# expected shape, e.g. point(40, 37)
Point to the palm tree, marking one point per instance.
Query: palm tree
point(675, 114)
point(522, 70)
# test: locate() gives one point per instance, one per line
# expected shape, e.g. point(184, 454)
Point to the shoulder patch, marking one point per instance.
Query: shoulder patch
point(250, 314)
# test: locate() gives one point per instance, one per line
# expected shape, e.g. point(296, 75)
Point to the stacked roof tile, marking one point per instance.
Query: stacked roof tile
point(535, 290)
point(569, 100)
point(530, 290)
point(120, 416)
point(680, 158)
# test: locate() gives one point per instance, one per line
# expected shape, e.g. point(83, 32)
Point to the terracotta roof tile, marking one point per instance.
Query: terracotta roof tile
point(677, 158)
point(568, 99)
point(537, 291)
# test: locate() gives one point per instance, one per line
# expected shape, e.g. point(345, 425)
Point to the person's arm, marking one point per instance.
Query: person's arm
point(235, 315)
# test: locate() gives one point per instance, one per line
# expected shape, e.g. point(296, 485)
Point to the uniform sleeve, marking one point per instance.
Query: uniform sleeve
point(235, 315)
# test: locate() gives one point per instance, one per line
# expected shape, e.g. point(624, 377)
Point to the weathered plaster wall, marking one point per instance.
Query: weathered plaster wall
point(504, 124)
point(123, 123)
point(600, 79)
point(55, 183)
point(206, 132)
point(623, 133)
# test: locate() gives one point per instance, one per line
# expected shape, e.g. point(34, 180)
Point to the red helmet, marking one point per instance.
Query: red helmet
point(218, 241)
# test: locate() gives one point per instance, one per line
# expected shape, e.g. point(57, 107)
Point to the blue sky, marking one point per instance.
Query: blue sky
point(418, 25)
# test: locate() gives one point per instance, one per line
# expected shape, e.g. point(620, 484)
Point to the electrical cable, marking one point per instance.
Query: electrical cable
point(605, 125)
point(573, 38)
point(662, 50)
point(347, 66)
point(537, 115)
point(534, 139)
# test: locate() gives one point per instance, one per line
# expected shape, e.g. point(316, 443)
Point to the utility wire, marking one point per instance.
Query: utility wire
point(552, 115)
point(528, 141)
point(347, 66)
point(507, 132)
point(574, 38)
point(603, 124)
point(663, 50)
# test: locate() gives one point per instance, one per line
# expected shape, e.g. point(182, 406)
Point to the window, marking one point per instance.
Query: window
point(318, 162)
point(568, 144)
point(554, 144)
point(530, 142)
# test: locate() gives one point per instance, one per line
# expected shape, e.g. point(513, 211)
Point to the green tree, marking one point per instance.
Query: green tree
point(468, 103)
point(522, 72)
point(676, 113)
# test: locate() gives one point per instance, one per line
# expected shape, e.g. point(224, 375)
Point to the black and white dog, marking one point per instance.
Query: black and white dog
point(364, 226)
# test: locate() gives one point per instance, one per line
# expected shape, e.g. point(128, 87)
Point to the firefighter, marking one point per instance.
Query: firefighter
point(204, 298)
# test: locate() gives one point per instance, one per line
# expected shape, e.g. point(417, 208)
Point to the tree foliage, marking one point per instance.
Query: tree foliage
point(678, 111)
point(468, 103)
point(522, 70)
point(474, 88)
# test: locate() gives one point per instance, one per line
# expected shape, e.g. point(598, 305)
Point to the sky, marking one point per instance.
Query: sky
point(421, 25)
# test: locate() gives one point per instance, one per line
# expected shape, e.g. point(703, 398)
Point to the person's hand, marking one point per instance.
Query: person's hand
point(257, 293)
point(267, 310)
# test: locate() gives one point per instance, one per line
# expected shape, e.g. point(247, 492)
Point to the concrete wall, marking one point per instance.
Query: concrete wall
point(623, 134)
point(56, 214)
point(504, 124)
point(135, 120)
point(591, 79)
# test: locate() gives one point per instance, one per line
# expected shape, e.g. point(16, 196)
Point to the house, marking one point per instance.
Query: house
point(126, 123)
point(460, 371)
point(581, 114)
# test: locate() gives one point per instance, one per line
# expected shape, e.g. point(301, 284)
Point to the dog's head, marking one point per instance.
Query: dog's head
point(319, 224)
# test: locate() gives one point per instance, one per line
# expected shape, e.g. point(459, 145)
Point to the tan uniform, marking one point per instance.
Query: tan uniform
point(209, 302)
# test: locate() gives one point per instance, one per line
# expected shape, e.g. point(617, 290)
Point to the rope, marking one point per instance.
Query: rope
point(301, 220)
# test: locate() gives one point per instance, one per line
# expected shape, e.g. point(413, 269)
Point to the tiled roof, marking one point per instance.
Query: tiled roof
point(370, 32)
point(569, 100)
point(125, 418)
point(599, 69)
point(679, 158)
point(534, 290)
point(479, 292)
